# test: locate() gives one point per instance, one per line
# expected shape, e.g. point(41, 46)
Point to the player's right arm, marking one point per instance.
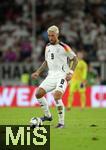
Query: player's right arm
point(36, 74)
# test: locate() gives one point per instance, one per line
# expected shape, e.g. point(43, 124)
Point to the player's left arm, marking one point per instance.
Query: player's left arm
point(73, 66)
point(74, 60)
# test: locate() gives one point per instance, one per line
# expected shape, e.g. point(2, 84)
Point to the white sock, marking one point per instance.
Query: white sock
point(60, 108)
point(44, 105)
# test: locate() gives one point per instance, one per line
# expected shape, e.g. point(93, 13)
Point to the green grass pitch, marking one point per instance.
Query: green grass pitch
point(84, 129)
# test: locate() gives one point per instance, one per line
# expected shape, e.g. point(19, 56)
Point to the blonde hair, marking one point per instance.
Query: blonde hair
point(53, 29)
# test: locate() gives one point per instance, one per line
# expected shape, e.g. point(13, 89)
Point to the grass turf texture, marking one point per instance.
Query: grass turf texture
point(84, 129)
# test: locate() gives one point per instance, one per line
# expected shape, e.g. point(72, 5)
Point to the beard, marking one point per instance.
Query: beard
point(52, 42)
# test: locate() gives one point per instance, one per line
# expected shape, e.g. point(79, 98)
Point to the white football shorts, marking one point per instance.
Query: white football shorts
point(54, 83)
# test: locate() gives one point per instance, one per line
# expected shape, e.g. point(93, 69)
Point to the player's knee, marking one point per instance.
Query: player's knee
point(39, 93)
point(57, 95)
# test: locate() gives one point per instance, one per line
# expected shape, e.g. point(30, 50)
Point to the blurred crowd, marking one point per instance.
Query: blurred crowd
point(82, 24)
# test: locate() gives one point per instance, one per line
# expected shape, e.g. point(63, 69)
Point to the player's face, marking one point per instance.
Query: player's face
point(53, 37)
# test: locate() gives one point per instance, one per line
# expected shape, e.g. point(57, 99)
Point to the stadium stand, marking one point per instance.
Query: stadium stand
point(82, 24)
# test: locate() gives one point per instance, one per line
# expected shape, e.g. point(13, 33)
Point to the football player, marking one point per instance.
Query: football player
point(57, 55)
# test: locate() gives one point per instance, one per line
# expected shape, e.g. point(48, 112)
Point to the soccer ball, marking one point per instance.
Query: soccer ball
point(36, 122)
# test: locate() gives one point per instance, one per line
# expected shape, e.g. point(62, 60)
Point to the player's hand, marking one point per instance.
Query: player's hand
point(69, 76)
point(35, 75)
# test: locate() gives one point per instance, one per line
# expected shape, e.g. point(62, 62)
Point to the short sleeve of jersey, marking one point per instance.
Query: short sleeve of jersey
point(69, 52)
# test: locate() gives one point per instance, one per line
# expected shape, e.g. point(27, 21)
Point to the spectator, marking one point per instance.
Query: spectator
point(25, 50)
point(10, 55)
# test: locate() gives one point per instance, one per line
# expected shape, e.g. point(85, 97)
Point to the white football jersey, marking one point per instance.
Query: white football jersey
point(57, 57)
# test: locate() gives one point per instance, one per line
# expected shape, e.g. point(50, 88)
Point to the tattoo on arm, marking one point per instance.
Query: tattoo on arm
point(42, 67)
point(74, 63)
